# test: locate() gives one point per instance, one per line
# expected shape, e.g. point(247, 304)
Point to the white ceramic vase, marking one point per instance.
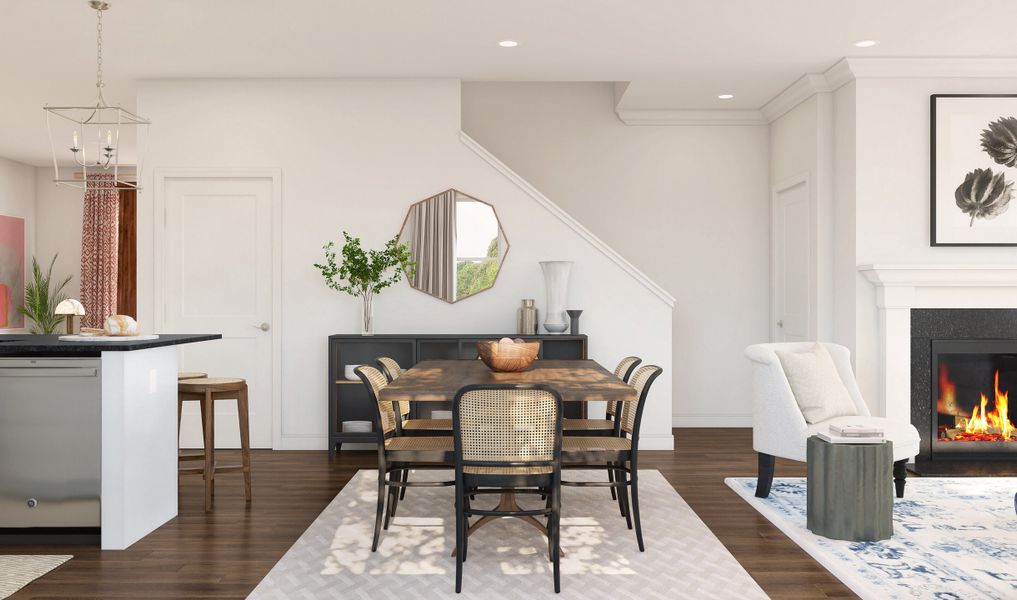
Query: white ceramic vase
point(556, 279)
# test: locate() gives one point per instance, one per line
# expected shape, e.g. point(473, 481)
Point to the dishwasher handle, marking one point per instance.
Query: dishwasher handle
point(48, 371)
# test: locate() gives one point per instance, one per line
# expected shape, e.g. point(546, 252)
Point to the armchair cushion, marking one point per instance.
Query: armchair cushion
point(816, 385)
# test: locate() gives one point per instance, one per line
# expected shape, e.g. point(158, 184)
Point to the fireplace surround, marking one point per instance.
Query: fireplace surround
point(963, 365)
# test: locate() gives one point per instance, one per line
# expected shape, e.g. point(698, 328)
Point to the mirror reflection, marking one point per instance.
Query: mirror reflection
point(458, 245)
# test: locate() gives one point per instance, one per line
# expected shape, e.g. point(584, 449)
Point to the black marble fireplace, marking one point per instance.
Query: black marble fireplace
point(963, 367)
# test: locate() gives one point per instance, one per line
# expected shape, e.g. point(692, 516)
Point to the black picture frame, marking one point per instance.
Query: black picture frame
point(934, 241)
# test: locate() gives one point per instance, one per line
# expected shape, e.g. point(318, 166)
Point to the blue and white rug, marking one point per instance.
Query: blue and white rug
point(953, 539)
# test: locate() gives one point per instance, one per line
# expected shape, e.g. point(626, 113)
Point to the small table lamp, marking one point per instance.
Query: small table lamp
point(70, 308)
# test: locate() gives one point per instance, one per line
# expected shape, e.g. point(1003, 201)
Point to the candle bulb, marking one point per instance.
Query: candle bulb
point(109, 138)
point(75, 143)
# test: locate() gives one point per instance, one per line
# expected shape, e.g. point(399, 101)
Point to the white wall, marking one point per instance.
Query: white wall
point(354, 155)
point(17, 199)
point(892, 191)
point(801, 145)
point(59, 211)
point(687, 205)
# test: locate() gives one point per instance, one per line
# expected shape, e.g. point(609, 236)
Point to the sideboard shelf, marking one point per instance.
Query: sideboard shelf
point(349, 401)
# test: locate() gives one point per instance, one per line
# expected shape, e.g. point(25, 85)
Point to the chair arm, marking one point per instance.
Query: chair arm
point(778, 427)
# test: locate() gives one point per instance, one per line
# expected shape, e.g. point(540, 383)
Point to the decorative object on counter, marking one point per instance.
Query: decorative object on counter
point(121, 325)
point(349, 374)
point(366, 273)
point(457, 244)
point(70, 308)
point(507, 355)
point(12, 271)
point(102, 338)
point(527, 318)
point(974, 169)
point(41, 301)
point(103, 129)
point(556, 280)
point(574, 321)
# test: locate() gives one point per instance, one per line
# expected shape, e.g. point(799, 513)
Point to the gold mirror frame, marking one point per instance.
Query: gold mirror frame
point(458, 196)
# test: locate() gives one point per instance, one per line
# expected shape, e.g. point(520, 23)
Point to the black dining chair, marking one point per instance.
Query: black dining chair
point(619, 455)
point(507, 438)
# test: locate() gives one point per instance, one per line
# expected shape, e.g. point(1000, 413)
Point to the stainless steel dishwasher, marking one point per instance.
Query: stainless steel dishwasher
point(50, 444)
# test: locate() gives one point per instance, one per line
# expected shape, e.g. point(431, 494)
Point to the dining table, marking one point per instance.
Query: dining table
point(574, 380)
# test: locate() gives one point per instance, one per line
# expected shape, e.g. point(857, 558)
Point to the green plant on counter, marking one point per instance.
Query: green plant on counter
point(41, 301)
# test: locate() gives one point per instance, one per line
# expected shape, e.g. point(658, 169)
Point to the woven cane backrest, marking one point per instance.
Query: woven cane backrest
point(508, 424)
point(624, 366)
point(392, 372)
point(375, 382)
point(641, 380)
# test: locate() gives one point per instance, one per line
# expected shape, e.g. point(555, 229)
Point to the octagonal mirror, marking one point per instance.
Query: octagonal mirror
point(458, 245)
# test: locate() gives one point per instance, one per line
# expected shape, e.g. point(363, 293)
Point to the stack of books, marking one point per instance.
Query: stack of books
point(852, 434)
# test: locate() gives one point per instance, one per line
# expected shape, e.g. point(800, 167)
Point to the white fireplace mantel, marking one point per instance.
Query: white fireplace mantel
point(902, 287)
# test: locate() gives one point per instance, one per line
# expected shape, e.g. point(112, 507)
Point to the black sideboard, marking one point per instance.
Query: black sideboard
point(348, 400)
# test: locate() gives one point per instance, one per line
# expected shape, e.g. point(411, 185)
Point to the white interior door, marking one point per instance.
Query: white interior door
point(792, 252)
point(218, 271)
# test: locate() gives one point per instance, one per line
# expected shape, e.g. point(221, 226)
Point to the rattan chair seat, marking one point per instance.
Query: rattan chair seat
point(427, 425)
point(587, 425)
point(538, 470)
point(594, 444)
point(412, 442)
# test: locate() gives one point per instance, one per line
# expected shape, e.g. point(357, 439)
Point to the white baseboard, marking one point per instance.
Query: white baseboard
point(303, 442)
point(711, 420)
point(656, 442)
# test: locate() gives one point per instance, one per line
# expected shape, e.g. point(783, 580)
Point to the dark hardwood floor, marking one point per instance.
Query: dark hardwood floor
point(226, 553)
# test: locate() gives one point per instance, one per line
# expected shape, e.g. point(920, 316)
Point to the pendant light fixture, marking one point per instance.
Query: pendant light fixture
point(95, 133)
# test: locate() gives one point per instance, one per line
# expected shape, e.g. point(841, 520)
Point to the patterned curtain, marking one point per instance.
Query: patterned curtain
point(99, 233)
point(433, 245)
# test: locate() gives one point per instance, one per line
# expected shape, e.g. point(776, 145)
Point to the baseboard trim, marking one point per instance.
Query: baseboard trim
point(656, 442)
point(303, 442)
point(711, 420)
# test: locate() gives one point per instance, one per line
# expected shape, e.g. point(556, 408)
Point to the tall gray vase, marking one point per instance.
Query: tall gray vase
point(556, 280)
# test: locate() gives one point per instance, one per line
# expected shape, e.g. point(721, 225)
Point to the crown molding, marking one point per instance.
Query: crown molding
point(568, 220)
point(652, 116)
point(805, 87)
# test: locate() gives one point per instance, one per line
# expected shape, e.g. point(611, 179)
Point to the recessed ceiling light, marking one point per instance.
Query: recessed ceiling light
point(866, 43)
point(508, 43)
point(726, 96)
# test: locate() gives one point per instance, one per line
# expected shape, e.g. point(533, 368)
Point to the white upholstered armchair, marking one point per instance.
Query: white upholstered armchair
point(780, 430)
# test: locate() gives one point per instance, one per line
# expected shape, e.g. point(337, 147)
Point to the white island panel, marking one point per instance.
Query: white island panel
point(139, 444)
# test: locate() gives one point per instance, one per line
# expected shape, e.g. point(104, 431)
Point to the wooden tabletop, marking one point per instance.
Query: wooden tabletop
point(575, 380)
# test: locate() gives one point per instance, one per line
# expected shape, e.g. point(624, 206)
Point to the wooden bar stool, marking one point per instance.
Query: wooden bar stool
point(206, 391)
point(182, 375)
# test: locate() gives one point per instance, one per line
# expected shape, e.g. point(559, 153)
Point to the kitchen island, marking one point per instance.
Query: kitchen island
point(88, 437)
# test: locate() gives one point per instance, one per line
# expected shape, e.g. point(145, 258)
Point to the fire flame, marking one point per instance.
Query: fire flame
point(983, 421)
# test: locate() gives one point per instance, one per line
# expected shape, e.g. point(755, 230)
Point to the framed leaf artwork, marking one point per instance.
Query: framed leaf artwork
point(12, 272)
point(974, 170)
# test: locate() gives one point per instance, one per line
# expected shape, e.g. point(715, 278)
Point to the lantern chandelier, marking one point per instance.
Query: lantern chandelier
point(96, 136)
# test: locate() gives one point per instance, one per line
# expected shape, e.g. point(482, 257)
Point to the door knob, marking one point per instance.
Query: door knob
point(779, 324)
point(264, 326)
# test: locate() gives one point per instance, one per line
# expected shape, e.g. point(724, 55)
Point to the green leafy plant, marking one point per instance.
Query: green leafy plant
point(365, 273)
point(41, 301)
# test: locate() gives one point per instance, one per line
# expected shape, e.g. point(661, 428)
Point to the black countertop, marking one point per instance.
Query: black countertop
point(50, 345)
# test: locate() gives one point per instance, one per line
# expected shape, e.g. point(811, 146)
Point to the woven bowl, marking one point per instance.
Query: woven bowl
point(507, 358)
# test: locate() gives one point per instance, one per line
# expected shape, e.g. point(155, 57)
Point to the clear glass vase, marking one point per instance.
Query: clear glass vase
point(367, 322)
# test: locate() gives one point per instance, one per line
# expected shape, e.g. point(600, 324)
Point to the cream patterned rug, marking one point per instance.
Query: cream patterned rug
point(19, 570)
point(953, 539)
point(508, 558)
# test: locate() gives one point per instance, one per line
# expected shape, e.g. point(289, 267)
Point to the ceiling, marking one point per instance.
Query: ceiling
point(676, 54)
